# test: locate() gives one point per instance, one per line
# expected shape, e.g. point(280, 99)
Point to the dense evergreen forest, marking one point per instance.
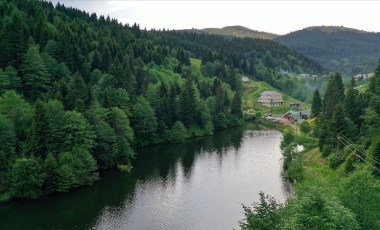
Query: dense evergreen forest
point(341, 189)
point(79, 92)
point(336, 48)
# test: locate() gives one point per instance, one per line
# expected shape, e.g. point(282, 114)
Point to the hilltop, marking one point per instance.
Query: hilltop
point(240, 31)
point(348, 50)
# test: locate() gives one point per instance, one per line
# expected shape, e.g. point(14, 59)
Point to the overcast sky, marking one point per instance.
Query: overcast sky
point(278, 17)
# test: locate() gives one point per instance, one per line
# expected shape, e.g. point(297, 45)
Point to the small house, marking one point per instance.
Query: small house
point(295, 106)
point(271, 99)
point(297, 116)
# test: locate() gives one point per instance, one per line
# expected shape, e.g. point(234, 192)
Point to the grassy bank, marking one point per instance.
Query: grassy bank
point(316, 171)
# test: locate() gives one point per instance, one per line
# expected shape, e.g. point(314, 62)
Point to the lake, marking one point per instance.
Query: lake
point(200, 184)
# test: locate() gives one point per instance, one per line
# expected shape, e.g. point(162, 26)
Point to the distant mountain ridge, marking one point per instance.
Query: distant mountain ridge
point(332, 29)
point(348, 50)
point(336, 48)
point(240, 31)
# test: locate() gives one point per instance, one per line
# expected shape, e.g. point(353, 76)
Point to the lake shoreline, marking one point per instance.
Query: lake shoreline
point(187, 179)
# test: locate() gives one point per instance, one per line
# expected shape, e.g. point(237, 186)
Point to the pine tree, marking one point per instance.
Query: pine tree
point(106, 59)
point(7, 150)
point(187, 102)
point(129, 74)
point(62, 93)
point(374, 84)
point(14, 38)
point(374, 155)
point(55, 119)
point(119, 121)
point(39, 130)
point(34, 74)
point(78, 95)
point(339, 87)
point(316, 105)
point(5, 83)
point(334, 94)
point(77, 132)
point(236, 105)
point(15, 80)
point(173, 102)
point(163, 108)
point(116, 70)
point(219, 94)
point(350, 103)
point(105, 147)
point(50, 170)
point(144, 122)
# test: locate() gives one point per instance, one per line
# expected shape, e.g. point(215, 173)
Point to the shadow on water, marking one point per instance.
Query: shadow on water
point(156, 161)
point(81, 208)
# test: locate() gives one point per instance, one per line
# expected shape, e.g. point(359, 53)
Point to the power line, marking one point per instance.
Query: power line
point(377, 160)
point(354, 152)
point(359, 156)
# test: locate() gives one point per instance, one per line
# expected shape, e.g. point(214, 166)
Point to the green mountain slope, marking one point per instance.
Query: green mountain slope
point(336, 48)
point(240, 31)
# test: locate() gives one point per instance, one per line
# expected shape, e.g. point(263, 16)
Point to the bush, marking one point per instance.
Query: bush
point(233, 121)
point(313, 208)
point(326, 151)
point(295, 169)
point(178, 133)
point(305, 127)
point(26, 179)
point(5, 197)
point(349, 167)
point(249, 116)
point(288, 138)
point(220, 121)
point(264, 215)
point(335, 160)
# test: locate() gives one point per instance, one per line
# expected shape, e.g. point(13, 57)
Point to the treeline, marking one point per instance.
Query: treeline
point(345, 125)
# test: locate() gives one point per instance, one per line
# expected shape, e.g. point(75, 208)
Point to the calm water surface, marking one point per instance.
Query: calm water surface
point(196, 185)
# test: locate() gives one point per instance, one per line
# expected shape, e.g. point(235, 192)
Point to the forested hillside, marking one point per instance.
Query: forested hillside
point(336, 48)
point(79, 92)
